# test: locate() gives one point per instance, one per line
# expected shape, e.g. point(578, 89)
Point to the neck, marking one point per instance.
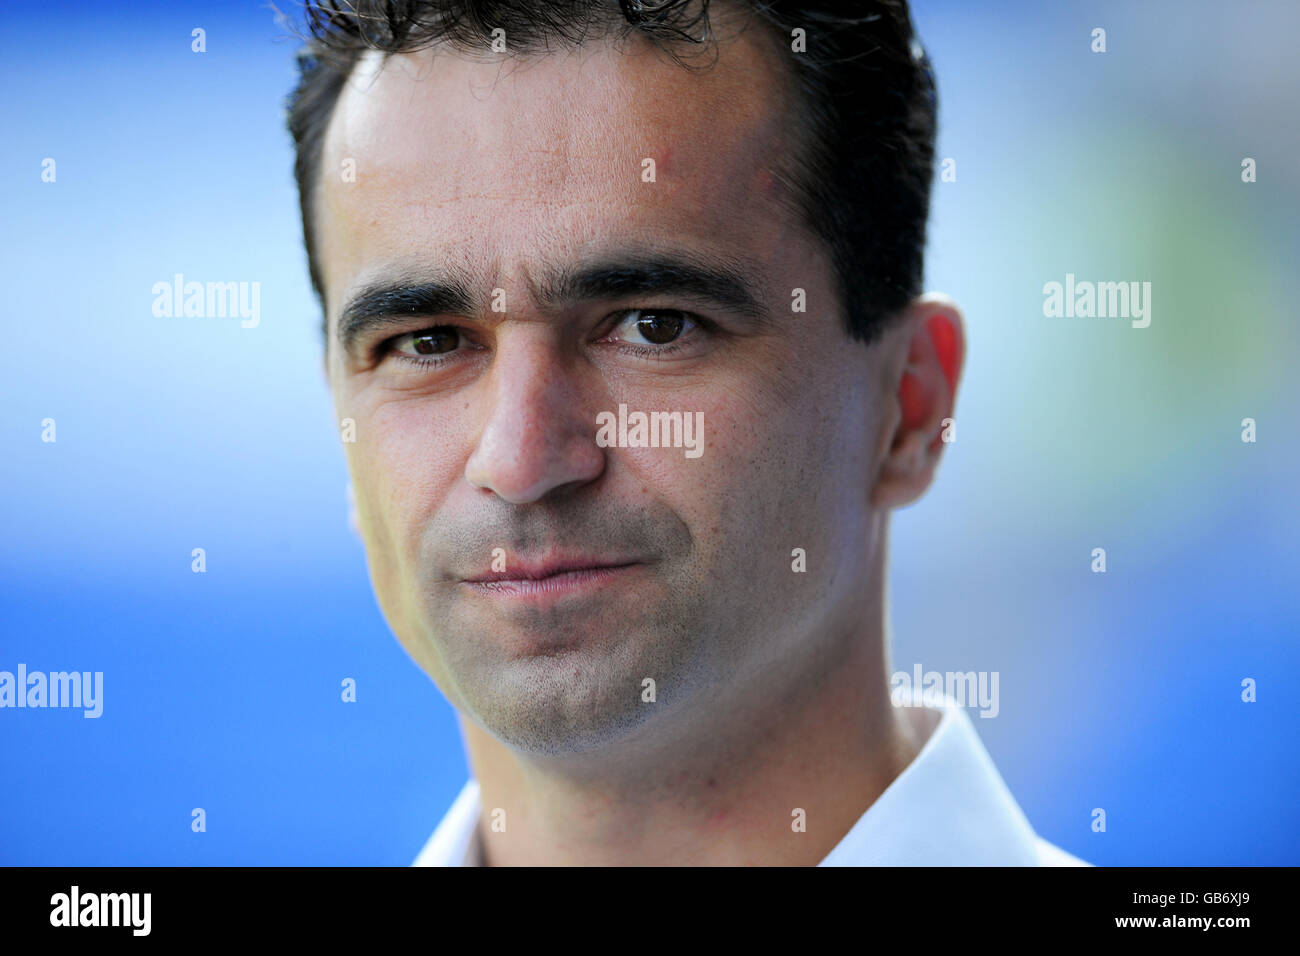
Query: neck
point(776, 777)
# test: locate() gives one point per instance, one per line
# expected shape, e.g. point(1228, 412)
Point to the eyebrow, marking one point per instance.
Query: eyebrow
point(388, 303)
point(724, 281)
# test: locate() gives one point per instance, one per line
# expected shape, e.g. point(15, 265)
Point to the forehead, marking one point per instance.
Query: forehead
point(490, 164)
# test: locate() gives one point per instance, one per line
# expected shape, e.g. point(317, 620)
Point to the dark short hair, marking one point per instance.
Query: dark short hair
point(862, 177)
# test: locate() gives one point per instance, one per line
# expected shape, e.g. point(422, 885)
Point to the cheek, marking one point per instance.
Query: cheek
point(403, 466)
point(752, 494)
point(794, 460)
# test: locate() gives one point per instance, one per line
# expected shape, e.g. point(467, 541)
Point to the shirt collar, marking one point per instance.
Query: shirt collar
point(949, 807)
point(456, 841)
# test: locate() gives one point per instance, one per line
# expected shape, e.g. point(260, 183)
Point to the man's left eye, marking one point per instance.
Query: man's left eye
point(653, 326)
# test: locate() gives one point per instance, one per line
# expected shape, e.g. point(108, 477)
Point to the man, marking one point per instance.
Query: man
point(621, 310)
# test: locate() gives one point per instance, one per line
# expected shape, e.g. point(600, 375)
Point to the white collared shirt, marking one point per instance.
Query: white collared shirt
point(949, 807)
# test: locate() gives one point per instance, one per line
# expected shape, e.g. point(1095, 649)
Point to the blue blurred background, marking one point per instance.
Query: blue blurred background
point(1119, 691)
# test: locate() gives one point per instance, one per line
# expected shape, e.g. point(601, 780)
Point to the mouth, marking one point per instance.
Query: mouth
point(553, 578)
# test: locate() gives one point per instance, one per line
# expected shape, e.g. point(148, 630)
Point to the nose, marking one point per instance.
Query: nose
point(537, 436)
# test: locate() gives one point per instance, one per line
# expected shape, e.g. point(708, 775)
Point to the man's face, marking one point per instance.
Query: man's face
point(507, 176)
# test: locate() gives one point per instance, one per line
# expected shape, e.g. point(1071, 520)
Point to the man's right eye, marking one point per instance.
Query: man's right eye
point(435, 341)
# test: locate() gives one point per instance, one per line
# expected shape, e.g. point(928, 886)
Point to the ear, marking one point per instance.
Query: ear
point(926, 400)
